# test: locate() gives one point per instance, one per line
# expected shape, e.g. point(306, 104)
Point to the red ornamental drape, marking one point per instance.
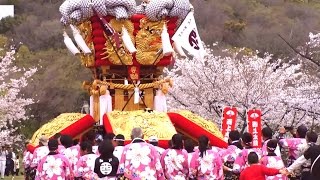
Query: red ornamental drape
point(74, 129)
point(194, 130)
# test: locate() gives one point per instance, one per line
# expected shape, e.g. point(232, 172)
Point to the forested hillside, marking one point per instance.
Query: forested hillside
point(36, 32)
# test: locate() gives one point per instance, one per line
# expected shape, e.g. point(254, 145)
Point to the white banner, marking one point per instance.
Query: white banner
point(187, 35)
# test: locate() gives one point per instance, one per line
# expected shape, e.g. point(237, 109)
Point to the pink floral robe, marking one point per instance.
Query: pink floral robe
point(72, 154)
point(175, 164)
point(296, 147)
point(229, 156)
point(273, 162)
point(61, 149)
point(85, 167)
point(140, 160)
point(241, 160)
point(208, 167)
point(265, 151)
point(38, 154)
point(54, 167)
point(27, 158)
point(118, 151)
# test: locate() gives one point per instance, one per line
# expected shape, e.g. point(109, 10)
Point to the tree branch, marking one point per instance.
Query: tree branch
point(299, 53)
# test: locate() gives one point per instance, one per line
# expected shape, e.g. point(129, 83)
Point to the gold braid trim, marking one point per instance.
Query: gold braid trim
point(129, 86)
point(205, 124)
point(55, 125)
point(152, 124)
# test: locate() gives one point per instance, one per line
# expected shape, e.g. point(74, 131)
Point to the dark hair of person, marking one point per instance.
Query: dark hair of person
point(203, 144)
point(272, 145)
point(66, 141)
point(86, 146)
point(234, 135)
point(169, 143)
point(75, 142)
point(106, 149)
point(119, 139)
point(177, 141)
point(57, 135)
point(109, 136)
point(302, 131)
point(189, 145)
point(253, 158)
point(90, 136)
point(246, 139)
point(267, 133)
point(312, 137)
point(154, 143)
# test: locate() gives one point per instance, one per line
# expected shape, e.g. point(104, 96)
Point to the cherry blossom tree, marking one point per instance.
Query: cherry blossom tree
point(13, 105)
point(244, 79)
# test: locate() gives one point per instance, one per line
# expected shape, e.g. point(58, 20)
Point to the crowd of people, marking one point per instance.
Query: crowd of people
point(9, 162)
point(97, 157)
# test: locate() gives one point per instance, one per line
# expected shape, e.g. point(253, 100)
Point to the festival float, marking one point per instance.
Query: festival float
point(126, 46)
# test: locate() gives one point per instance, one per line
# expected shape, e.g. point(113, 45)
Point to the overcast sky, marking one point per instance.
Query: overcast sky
point(6, 10)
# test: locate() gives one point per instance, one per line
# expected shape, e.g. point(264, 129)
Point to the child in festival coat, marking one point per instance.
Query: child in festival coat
point(84, 168)
point(175, 160)
point(271, 160)
point(257, 171)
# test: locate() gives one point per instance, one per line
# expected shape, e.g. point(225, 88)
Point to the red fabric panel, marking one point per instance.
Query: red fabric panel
point(79, 126)
point(106, 123)
point(194, 130)
point(73, 130)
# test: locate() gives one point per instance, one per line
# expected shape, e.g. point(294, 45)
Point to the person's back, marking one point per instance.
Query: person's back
point(106, 165)
point(54, 166)
point(205, 162)
point(174, 161)
point(256, 171)
point(142, 157)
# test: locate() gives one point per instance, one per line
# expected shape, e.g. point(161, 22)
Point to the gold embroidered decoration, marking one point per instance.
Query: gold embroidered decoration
point(85, 29)
point(205, 124)
point(152, 123)
point(148, 42)
point(55, 125)
point(124, 54)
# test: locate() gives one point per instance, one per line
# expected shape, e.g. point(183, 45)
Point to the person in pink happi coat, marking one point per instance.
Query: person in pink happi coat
point(38, 154)
point(205, 163)
point(272, 160)
point(175, 160)
point(72, 153)
point(140, 160)
point(230, 154)
point(295, 146)
point(54, 166)
point(241, 161)
point(84, 168)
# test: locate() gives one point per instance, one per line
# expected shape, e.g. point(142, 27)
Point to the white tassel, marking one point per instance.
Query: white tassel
point(136, 97)
point(127, 41)
point(126, 81)
point(80, 41)
point(68, 42)
point(166, 45)
point(178, 49)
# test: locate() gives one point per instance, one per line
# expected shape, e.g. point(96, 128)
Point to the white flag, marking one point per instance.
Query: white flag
point(187, 35)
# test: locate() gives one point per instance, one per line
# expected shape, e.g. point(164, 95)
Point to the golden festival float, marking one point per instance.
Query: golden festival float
point(126, 46)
